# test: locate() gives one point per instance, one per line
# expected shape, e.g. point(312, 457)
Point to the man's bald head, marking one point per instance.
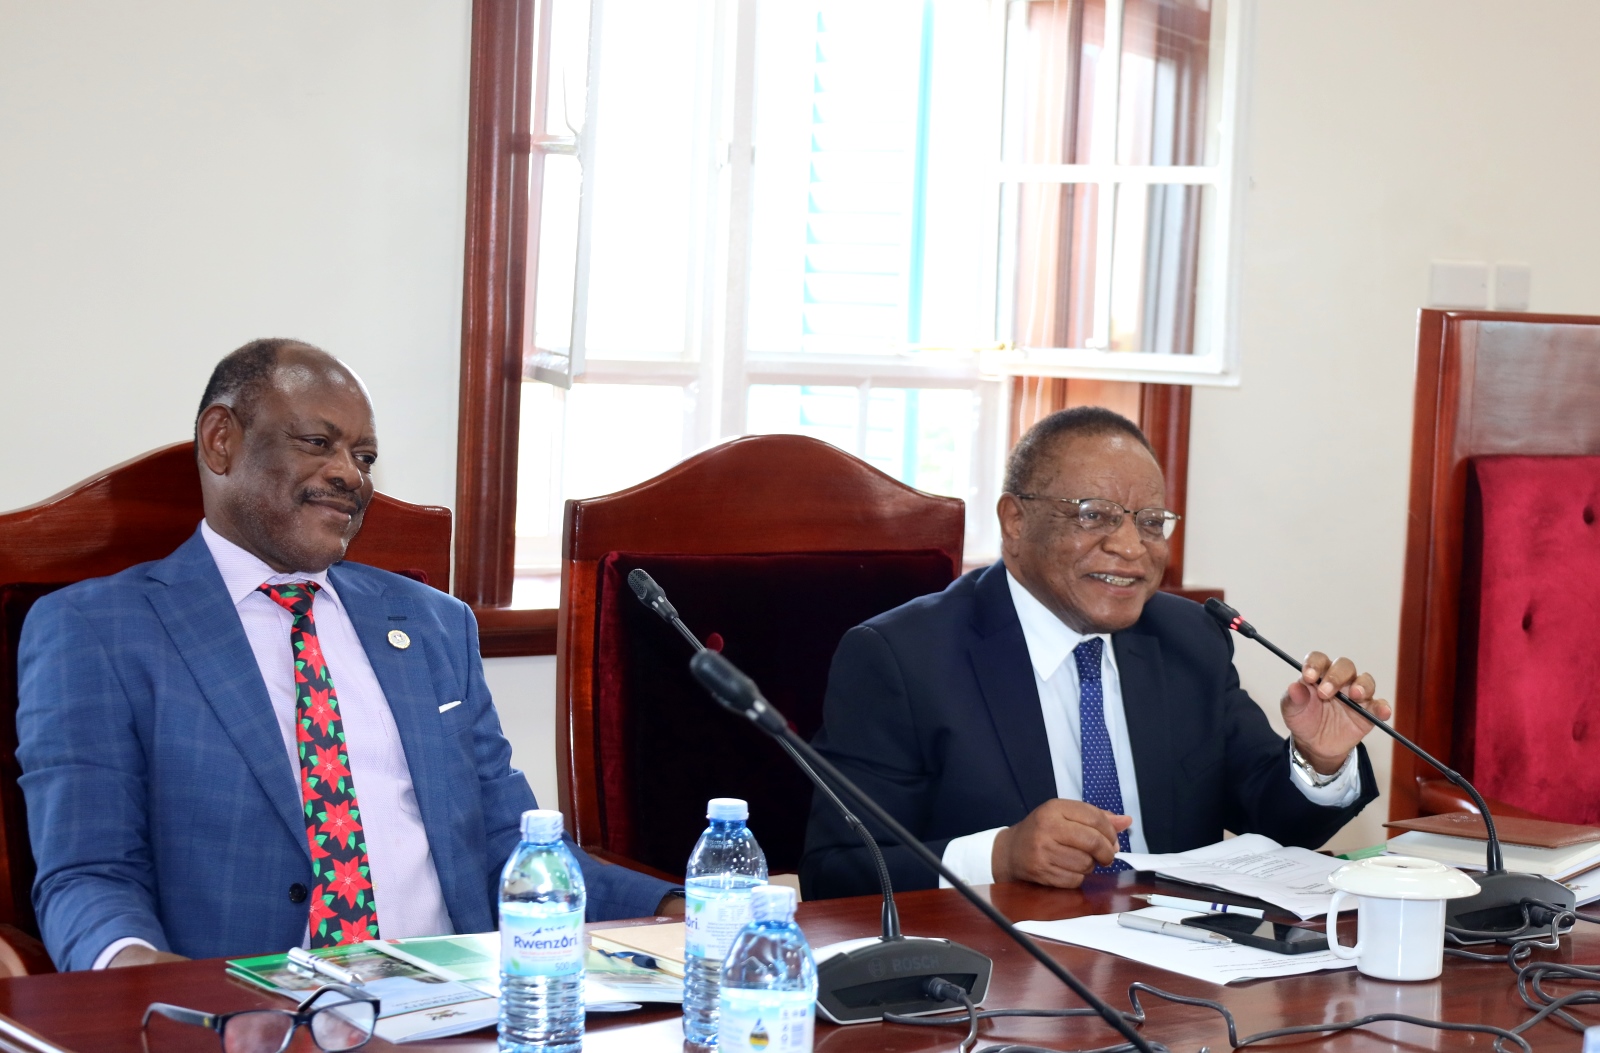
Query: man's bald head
point(285, 443)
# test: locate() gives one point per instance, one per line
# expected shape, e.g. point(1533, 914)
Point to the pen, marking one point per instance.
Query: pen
point(1201, 907)
point(317, 964)
point(643, 961)
point(1170, 928)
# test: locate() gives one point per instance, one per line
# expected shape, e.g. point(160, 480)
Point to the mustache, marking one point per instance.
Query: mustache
point(351, 499)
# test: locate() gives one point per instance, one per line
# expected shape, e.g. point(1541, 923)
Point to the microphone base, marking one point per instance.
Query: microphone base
point(1497, 907)
point(866, 979)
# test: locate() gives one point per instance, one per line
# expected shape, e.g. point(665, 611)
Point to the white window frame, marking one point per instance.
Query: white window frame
point(720, 375)
point(1215, 357)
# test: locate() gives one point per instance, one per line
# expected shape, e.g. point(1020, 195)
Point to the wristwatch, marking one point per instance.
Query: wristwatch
point(1309, 775)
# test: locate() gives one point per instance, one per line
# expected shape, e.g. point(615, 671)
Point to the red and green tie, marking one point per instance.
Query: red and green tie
point(342, 906)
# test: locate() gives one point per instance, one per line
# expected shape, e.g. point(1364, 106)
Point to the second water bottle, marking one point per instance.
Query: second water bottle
point(726, 865)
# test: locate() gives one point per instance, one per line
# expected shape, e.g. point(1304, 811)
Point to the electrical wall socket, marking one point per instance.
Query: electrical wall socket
point(1458, 284)
point(1513, 283)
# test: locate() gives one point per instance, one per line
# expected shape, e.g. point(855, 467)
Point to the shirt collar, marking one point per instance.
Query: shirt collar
point(1049, 639)
point(243, 572)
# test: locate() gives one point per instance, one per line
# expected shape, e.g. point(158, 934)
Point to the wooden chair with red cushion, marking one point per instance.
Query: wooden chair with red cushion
point(1501, 607)
point(138, 511)
point(770, 547)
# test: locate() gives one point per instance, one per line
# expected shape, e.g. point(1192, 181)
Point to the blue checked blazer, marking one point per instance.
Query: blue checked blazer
point(161, 803)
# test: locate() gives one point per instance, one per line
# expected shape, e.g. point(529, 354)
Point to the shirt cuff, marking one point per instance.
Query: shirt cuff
point(971, 857)
point(116, 947)
point(1340, 793)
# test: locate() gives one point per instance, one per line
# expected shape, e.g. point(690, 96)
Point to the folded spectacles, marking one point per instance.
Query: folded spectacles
point(339, 1016)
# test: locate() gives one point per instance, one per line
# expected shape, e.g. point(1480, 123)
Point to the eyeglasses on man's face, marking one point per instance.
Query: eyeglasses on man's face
point(339, 1016)
point(1097, 515)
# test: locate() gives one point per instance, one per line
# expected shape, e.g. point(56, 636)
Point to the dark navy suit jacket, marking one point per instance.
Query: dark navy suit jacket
point(161, 803)
point(932, 709)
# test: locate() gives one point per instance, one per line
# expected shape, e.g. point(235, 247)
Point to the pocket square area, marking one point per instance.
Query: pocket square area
point(448, 706)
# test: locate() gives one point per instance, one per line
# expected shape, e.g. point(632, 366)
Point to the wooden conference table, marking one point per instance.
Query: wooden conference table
point(100, 1012)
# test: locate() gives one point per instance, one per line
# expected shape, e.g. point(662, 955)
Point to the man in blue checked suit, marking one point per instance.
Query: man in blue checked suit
point(249, 746)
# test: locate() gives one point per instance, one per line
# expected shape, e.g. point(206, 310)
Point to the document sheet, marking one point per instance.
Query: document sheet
point(1295, 879)
point(1212, 962)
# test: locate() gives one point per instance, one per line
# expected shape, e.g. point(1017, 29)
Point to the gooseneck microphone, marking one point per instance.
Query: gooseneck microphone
point(654, 596)
point(887, 975)
point(1506, 903)
point(738, 693)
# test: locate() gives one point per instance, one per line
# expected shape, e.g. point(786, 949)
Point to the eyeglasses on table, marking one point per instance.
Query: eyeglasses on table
point(340, 1017)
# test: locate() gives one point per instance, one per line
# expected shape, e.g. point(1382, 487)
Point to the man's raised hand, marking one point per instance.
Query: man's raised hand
point(1324, 729)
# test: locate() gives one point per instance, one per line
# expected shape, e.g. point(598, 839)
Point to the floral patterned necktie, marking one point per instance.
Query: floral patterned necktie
point(343, 895)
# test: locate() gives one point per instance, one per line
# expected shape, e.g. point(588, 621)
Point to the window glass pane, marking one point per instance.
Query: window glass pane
point(539, 465)
point(1053, 51)
point(538, 553)
point(864, 237)
point(1056, 251)
point(1154, 267)
point(620, 434)
point(569, 67)
point(558, 248)
point(652, 124)
point(594, 439)
point(831, 414)
point(1166, 66)
point(921, 436)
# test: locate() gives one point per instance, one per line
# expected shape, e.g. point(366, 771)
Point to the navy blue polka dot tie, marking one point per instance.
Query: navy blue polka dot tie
point(1100, 785)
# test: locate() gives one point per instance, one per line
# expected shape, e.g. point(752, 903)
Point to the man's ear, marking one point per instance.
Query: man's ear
point(1009, 510)
point(219, 432)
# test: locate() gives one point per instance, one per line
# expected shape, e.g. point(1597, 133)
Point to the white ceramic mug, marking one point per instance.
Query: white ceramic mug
point(1400, 914)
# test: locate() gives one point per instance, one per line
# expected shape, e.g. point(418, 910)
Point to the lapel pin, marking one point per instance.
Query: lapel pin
point(399, 639)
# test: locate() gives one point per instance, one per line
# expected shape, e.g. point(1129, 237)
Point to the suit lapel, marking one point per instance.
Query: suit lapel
point(201, 621)
point(1140, 668)
point(1000, 660)
point(408, 687)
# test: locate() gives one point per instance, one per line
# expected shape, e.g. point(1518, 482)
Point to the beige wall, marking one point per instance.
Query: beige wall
point(1381, 135)
point(176, 178)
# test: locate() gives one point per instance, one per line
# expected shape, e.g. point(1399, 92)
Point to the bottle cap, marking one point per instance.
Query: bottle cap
point(727, 808)
point(772, 903)
point(541, 826)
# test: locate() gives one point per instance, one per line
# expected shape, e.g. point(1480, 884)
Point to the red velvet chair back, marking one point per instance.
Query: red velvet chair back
point(139, 511)
point(1527, 714)
point(770, 547)
point(1496, 393)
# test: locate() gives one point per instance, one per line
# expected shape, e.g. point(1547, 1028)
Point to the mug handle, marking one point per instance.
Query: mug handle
point(1339, 949)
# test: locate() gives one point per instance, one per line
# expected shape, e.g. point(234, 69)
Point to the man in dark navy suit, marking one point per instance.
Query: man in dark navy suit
point(251, 745)
point(1041, 715)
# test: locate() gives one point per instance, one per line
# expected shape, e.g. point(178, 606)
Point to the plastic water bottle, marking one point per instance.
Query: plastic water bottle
point(541, 942)
point(726, 864)
point(769, 981)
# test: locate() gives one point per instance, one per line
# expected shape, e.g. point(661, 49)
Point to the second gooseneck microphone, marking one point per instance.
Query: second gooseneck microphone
point(1506, 903)
point(655, 597)
point(864, 980)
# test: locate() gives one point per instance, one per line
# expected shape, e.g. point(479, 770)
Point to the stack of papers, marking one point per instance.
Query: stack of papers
point(437, 986)
point(1295, 879)
point(1528, 846)
point(1585, 886)
point(1212, 962)
point(1467, 854)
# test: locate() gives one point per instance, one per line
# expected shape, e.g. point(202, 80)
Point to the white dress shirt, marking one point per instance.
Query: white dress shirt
point(1055, 674)
point(405, 885)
